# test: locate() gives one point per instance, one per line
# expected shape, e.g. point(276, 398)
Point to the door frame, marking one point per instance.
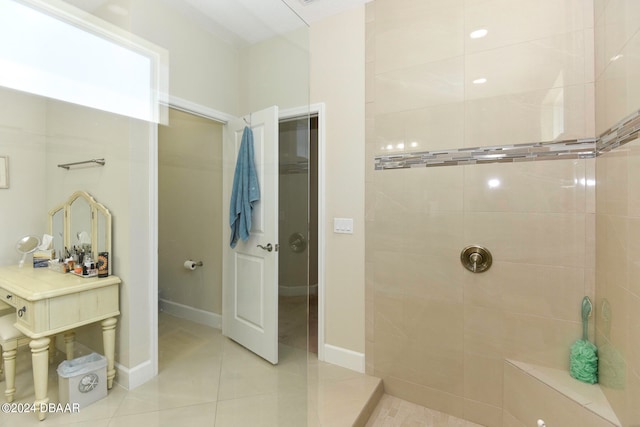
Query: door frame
point(219, 116)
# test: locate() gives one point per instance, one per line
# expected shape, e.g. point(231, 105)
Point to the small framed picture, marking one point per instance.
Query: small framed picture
point(4, 172)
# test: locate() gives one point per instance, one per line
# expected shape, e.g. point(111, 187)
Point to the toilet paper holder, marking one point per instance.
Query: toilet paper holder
point(191, 265)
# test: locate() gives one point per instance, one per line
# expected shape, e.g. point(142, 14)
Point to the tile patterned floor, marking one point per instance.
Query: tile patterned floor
point(206, 379)
point(394, 412)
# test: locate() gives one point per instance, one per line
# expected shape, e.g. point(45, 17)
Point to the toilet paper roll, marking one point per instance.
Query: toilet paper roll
point(190, 265)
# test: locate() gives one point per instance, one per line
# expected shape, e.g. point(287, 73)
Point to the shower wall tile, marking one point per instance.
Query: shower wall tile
point(619, 93)
point(633, 325)
point(411, 190)
point(536, 65)
point(552, 187)
point(632, 251)
point(620, 25)
point(509, 420)
point(552, 114)
point(525, 289)
point(553, 239)
point(500, 334)
point(435, 334)
point(421, 86)
point(613, 244)
point(483, 379)
point(600, 61)
point(396, 12)
point(417, 275)
point(438, 192)
point(523, 20)
point(431, 32)
point(633, 179)
point(633, 409)
point(590, 190)
point(590, 255)
point(426, 396)
point(537, 59)
point(540, 341)
point(436, 343)
point(429, 128)
point(482, 414)
point(612, 183)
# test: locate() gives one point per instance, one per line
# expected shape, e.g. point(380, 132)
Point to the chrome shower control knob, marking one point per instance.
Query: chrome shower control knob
point(476, 259)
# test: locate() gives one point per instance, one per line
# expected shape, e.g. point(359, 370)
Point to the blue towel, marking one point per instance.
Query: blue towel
point(245, 190)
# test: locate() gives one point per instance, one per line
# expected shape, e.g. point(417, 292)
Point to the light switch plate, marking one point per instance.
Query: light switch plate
point(343, 225)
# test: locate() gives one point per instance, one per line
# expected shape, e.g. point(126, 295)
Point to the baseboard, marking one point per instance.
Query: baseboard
point(193, 314)
point(131, 378)
point(343, 357)
point(296, 291)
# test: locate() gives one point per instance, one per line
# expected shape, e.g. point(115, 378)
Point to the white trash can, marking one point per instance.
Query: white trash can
point(82, 380)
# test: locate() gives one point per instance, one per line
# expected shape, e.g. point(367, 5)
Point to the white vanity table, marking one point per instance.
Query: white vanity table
point(48, 302)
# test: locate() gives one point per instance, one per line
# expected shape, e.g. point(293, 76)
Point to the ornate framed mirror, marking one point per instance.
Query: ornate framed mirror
point(81, 222)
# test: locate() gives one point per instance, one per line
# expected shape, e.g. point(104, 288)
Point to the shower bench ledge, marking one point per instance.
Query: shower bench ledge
point(589, 396)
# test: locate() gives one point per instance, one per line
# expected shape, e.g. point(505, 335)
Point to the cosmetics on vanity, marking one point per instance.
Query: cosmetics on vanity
point(103, 264)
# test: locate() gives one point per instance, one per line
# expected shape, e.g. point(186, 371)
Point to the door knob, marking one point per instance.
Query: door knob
point(268, 248)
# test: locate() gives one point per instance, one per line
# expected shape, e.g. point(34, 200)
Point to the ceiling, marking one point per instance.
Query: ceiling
point(255, 20)
point(243, 21)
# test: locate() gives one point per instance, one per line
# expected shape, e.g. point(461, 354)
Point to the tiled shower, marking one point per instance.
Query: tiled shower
point(558, 229)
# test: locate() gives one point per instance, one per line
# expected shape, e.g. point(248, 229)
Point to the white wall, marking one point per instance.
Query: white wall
point(337, 79)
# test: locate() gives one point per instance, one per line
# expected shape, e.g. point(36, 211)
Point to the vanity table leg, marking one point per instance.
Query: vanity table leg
point(40, 362)
point(9, 357)
point(52, 349)
point(69, 340)
point(109, 343)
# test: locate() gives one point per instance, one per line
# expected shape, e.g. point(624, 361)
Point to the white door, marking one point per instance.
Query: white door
point(250, 270)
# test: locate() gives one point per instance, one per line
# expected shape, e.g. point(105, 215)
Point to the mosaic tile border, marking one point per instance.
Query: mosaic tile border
point(625, 131)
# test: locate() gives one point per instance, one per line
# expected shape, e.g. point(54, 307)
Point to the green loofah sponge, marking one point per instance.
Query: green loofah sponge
point(584, 362)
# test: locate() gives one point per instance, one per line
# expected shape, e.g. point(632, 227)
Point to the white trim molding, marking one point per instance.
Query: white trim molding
point(344, 357)
point(196, 315)
point(198, 110)
point(131, 378)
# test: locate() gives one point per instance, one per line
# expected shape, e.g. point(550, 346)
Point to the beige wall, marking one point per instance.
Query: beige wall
point(75, 133)
point(337, 79)
point(275, 72)
point(202, 68)
point(189, 211)
point(618, 209)
point(41, 133)
point(436, 333)
point(23, 139)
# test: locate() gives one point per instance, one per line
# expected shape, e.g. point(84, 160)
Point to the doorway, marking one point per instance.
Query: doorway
point(298, 233)
point(298, 152)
